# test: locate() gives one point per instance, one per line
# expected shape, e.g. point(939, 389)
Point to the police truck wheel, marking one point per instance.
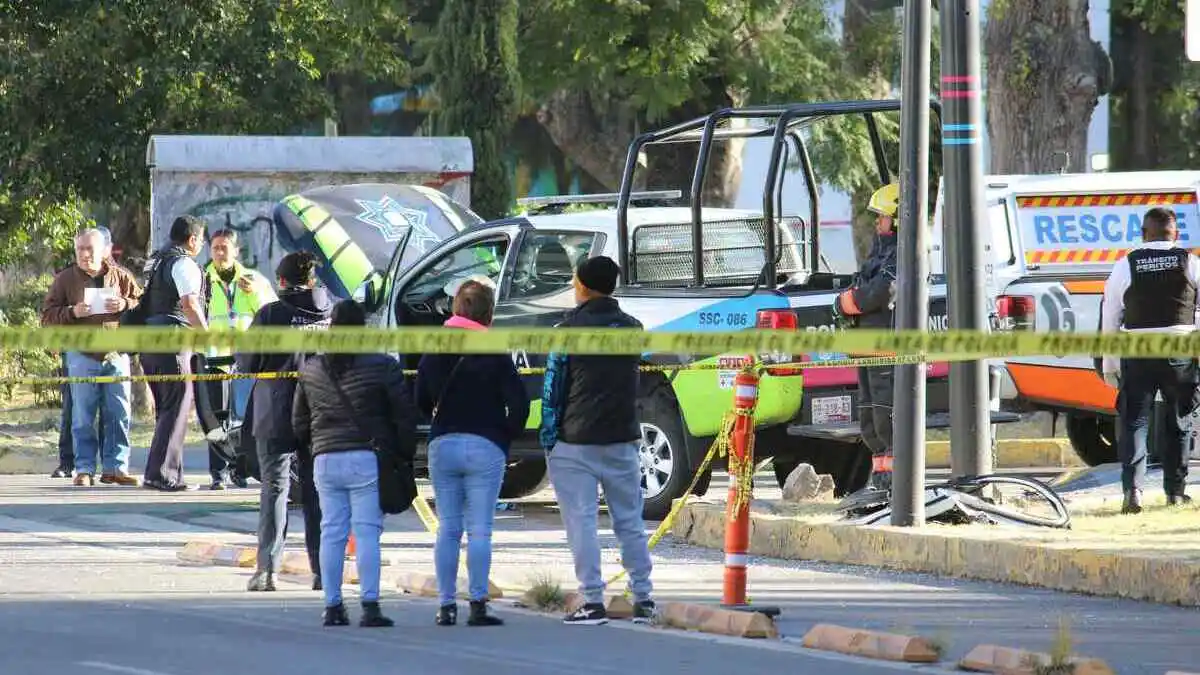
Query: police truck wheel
point(524, 478)
point(1094, 438)
point(662, 452)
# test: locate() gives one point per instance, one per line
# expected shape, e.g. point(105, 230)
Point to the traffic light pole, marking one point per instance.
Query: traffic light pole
point(912, 284)
point(962, 171)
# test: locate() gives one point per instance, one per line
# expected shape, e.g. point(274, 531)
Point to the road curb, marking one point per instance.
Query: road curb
point(1010, 661)
point(871, 644)
point(424, 585)
point(1013, 453)
point(216, 553)
point(943, 551)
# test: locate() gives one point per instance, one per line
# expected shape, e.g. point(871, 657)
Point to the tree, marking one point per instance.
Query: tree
point(1045, 75)
point(599, 73)
point(84, 85)
point(474, 60)
point(1156, 91)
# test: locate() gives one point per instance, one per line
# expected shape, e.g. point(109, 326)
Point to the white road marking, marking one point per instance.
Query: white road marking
point(114, 668)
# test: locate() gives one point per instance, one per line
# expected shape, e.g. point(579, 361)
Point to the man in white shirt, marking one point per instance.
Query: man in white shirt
point(1153, 290)
point(176, 295)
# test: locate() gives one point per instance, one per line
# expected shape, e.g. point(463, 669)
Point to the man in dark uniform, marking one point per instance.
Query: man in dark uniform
point(868, 303)
point(176, 296)
point(1153, 290)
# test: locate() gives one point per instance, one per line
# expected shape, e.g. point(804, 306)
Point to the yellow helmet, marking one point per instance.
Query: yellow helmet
point(886, 200)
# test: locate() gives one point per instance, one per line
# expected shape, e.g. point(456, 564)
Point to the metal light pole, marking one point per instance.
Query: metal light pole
point(912, 284)
point(963, 215)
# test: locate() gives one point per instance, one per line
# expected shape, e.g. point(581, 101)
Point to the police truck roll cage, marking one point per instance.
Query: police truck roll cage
point(789, 121)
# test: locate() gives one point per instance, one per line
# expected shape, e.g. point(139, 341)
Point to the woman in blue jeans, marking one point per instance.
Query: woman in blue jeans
point(348, 407)
point(477, 405)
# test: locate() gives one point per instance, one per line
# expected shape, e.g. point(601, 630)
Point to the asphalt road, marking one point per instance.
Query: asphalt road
point(89, 583)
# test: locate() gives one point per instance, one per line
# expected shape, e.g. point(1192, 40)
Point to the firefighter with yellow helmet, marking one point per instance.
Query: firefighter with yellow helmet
point(237, 294)
point(868, 303)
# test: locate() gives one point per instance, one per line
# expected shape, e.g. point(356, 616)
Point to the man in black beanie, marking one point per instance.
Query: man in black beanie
point(591, 433)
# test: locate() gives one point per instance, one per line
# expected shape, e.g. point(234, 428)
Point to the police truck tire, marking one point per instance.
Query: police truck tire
point(1093, 437)
point(523, 478)
point(666, 467)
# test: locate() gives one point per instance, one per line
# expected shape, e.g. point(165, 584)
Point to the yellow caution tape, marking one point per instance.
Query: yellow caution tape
point(949, 346)
point(646, 368)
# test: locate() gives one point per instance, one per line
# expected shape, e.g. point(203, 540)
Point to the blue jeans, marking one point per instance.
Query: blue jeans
point(466, 471)
point(348, 485)
point(111, 402)
point(577, 472)
point(239, 395)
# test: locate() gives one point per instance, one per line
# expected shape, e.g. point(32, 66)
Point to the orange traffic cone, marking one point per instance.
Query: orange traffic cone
point(351, 549)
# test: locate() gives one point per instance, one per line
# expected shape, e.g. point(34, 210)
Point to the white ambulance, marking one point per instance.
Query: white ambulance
point(1053, 242)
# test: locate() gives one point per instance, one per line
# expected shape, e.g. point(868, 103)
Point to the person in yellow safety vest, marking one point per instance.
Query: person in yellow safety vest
point(237, 294)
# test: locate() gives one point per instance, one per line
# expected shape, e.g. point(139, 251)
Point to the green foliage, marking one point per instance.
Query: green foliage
point(474, 60)
point(83, 85)
point(21, 307)
point(39, 234)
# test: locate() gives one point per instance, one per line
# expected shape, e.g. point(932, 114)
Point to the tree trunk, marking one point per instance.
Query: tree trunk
point(1045, 75)
point(593, 134)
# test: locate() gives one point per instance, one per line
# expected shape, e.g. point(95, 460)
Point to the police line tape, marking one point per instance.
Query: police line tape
point(949, 346)
point(865, 362)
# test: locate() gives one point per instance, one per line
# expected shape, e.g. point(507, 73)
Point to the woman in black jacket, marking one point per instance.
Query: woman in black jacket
point(300, 305)
point(345, 404)
point(478, 405)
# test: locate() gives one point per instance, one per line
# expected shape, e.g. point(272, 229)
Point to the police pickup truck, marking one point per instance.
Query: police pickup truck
point(1054, 241)
point(684, 266)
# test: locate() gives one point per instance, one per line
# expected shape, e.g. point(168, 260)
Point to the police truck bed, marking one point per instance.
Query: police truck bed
point(849, 432)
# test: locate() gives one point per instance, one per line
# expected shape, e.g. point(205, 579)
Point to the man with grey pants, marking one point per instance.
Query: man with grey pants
point(591, 432)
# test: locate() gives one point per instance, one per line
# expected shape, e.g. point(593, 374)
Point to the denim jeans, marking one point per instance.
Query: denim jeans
point(348, 484)
point(466, 471)
point(577, 472)
point(111, 402)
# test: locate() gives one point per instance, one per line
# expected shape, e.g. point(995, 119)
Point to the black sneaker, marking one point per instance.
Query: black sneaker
point(1132, 503)
point(63, 472)
point(217, 484)
point(1179, 500)
point(643, 612)
point(591, 614)
point(479, 615)
point(372, 616)
point(336, 616)
point(261, 582)
point(447, 615)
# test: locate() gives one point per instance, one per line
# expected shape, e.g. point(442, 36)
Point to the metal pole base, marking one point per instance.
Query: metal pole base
point(758, 609)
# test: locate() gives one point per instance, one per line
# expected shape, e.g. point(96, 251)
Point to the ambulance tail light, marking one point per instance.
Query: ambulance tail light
point(1016, 312)
point(778, 319)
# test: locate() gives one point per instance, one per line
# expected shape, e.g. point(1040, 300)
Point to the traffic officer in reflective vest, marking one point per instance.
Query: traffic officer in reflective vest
point(237, 294)
point(868, 303)
point(1153, 290)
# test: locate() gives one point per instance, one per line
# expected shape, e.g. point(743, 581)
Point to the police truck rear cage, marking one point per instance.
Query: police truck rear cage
point(556, 203)
point(794, 245)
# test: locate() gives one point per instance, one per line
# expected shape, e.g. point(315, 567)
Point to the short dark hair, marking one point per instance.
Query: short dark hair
point(225, 233)
point(599, 274)
point(297, 268)
point(348, 313)
point(475, 301)
point(186, 227)
point(1156, 222)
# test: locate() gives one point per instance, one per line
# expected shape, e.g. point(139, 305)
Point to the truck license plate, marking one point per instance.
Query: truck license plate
point(831, 409)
